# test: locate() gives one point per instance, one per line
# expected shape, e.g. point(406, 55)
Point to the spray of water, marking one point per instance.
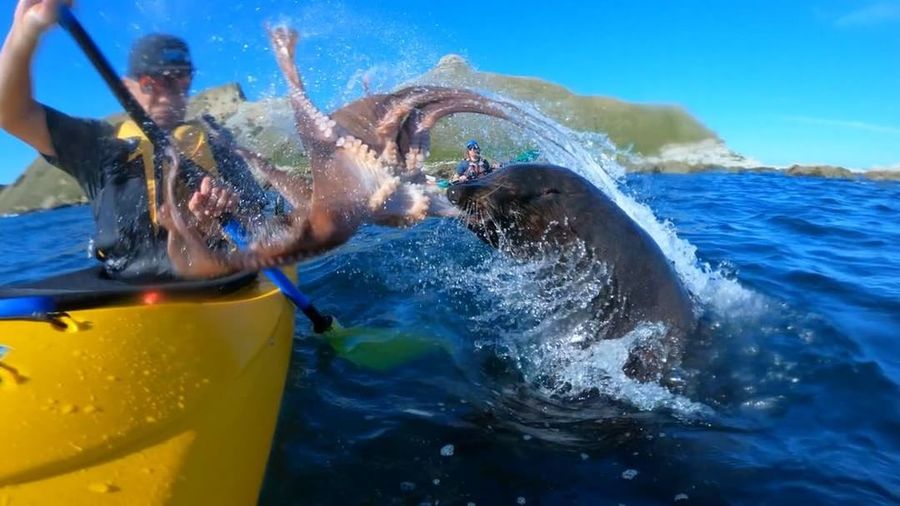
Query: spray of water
point(540, 314)
point(592, 156)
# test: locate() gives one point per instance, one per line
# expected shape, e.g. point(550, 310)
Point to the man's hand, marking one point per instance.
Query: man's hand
point(34, 17)
point(211, 202)
point(20, 114)
point(189, 258)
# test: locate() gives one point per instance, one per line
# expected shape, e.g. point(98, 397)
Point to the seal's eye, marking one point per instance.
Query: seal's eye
point(551, 191)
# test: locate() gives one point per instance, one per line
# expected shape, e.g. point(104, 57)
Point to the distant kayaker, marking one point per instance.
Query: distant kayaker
point(473, 165)
point(114, 164)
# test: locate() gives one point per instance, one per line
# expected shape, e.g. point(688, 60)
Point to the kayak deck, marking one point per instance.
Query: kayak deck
point(165, 402)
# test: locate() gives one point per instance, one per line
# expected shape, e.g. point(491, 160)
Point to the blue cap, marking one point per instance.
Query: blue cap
point(473, 144)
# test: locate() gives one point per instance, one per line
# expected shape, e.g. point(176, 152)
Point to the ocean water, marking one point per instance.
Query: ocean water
point(788, 393)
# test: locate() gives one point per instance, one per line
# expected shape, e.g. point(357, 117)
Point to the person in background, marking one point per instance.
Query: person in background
point(473, 165)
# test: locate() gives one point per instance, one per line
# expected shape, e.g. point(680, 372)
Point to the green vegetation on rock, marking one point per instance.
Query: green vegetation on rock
point(220, 102)
point(41, 186)
point(643, 128)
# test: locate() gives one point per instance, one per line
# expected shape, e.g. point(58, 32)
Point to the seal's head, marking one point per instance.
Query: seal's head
point(521, 205)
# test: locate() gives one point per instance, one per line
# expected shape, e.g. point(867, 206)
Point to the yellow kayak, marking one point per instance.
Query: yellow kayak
point(157, 396)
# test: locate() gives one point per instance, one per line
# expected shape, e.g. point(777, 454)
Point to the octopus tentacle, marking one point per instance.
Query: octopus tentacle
point(399, 123)
point(187, 248)
point(481, 105)
point(381, 119)
point(417, 97)
point(418, 125)
point(348, 178)
point(350, 185)
point(366, 162)
point(295, 189)
point(312, 124)
point(416, 144)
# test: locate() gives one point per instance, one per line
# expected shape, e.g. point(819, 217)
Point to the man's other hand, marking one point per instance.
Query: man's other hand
point(211, 202)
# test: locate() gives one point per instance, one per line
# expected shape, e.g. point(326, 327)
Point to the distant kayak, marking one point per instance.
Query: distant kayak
point(526, 156)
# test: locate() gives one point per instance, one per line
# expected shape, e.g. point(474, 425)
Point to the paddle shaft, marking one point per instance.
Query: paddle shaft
point(153, 132)
point(321, 323)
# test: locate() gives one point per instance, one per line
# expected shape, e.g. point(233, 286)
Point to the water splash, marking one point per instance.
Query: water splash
point(593, 156)
point(540, 315)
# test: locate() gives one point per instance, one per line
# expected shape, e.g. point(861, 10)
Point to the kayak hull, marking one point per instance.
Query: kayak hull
point(169, 402)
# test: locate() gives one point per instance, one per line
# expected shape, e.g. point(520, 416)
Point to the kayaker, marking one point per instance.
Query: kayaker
point(473, 165)
point(114, 163)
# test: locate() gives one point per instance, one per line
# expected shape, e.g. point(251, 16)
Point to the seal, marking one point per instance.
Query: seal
point(524, 209)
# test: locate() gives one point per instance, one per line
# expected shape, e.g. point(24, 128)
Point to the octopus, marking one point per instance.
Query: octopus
point(366, 161)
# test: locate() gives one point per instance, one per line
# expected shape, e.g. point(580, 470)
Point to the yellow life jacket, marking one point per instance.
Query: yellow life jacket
point(191, 142)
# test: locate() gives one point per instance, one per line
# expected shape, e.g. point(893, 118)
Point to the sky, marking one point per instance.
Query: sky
point(812, 81)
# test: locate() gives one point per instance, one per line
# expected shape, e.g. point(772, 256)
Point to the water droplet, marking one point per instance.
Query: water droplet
point(407, 486)
point(681, 497)
point(629, 474)
point(447, 451)
point(103, 488)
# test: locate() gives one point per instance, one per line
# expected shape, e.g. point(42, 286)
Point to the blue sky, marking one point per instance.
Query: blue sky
point(814, 81)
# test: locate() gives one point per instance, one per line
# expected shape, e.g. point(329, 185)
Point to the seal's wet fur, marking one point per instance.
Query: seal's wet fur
point(524, 209)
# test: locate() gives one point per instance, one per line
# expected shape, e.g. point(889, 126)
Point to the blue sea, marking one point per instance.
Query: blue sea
point(788, 392)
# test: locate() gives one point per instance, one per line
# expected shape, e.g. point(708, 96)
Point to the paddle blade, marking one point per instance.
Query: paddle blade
point(380, 349)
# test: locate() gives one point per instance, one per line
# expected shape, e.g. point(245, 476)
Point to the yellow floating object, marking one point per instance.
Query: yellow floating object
point(173, 402)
